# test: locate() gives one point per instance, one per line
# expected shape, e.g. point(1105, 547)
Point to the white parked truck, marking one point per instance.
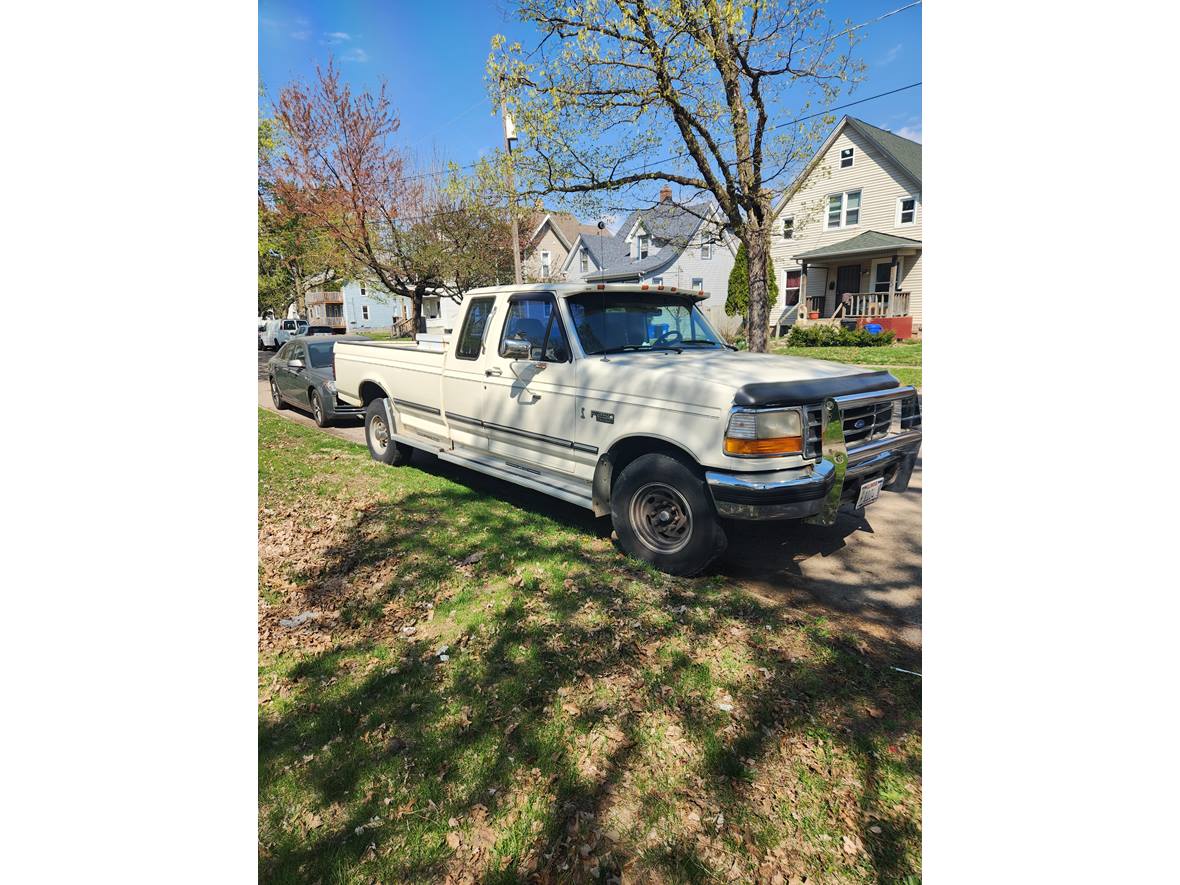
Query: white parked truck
point(622, 399)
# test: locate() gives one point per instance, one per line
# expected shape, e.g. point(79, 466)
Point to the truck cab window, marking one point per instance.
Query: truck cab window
point(535, 320)
point(471, 337)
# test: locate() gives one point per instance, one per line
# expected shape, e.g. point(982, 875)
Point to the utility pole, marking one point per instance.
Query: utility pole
point(509, 138)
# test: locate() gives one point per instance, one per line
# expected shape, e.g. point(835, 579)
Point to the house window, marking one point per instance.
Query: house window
point(907, 210)
point(642, 246)
point(583, 261)
point(706, 251)
point(657, 281)
point(791, 280)
point(843, 210)
point(698, 284)
point(545, 263)
point(881, 277)
point(846, 158)
point(364, 311)
point(789, 227)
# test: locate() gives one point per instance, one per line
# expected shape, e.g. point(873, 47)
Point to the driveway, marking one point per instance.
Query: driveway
point(864, 570)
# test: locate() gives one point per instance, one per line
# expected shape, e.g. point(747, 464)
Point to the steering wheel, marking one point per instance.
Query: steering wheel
point(672, 336)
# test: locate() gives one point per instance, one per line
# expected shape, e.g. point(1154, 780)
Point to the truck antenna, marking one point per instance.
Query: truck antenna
point(602, 274)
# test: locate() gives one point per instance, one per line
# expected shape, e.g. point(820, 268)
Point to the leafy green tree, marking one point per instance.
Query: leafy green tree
point(619, 94)
point(737, 301)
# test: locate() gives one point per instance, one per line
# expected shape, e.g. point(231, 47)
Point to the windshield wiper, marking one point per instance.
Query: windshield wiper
point(698, 341)
point(625, 347)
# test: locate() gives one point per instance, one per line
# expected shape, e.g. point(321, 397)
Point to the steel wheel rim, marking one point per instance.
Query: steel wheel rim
point(380, 433)
point(316, 409)
point(661, 518)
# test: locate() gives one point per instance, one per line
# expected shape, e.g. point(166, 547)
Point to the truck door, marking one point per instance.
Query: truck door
point(463, 377)
point(528, 407)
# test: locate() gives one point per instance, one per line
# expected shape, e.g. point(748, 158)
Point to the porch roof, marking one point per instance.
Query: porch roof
point(869, 241)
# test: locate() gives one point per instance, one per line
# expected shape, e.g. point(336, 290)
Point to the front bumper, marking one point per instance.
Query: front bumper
point(818, 492)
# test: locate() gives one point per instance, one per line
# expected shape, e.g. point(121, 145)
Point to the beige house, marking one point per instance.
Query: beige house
point(550, 244)
point(847, 239)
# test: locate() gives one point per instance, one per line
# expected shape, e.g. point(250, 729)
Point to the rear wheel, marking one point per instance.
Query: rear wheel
point(317, 409)
point(382, 446)
point(275, 396)
point(663, 515)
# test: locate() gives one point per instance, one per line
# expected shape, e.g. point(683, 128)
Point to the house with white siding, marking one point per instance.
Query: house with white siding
point(668, 244)
point(356, 306)
point(847, 236)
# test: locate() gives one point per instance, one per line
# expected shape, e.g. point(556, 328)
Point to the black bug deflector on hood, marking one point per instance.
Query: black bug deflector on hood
point(798, 393)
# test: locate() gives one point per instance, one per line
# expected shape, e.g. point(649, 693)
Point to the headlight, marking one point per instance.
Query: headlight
point(331, 387)
point(778, 432)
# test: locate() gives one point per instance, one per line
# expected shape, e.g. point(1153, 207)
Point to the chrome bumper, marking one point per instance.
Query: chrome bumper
point(816, 493)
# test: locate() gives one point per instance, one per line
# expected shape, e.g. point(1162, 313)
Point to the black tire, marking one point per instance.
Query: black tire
point(664, 515)
point(317, 409)
point(276, 397)
point(392, 452)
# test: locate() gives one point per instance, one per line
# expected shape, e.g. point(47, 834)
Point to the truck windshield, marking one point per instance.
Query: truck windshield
point(613, 322)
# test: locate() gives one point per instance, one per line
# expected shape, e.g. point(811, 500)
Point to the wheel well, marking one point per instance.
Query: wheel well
point(619, 456)
point(370, 390)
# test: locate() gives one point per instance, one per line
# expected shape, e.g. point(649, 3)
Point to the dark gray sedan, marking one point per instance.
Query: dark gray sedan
point(301, 375)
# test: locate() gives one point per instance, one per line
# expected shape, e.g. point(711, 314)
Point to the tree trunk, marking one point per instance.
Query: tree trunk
point(758, 318)
point(416, 306)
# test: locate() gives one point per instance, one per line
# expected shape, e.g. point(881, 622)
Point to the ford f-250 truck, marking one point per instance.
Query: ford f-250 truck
point(623, 399)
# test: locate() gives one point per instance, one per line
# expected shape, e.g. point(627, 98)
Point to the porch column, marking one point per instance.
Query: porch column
point(889, 308)
point(801, 307)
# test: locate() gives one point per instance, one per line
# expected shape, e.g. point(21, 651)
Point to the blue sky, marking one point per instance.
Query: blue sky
point(432, 54)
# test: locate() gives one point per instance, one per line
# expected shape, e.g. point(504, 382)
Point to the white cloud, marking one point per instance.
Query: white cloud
point(357, 54)
point(336, 37)
point(890, 56)
point(300, 35)
point(913, 133)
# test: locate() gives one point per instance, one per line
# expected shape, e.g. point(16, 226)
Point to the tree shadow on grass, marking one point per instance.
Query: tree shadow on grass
point(492, 727)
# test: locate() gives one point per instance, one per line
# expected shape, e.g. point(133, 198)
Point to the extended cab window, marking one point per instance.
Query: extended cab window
point(536, 321)
point(471, 336)
point(619, 321)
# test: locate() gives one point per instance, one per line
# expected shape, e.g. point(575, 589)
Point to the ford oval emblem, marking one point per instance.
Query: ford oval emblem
point(859, 424)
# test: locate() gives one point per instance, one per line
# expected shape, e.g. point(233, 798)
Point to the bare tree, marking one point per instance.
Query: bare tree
point(621, 93)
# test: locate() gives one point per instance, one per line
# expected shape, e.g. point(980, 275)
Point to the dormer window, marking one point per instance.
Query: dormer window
point(706, 251)
point(545, 263)
point(583, 261)
point(642, 245)
point(789, 227)
point(846, 157)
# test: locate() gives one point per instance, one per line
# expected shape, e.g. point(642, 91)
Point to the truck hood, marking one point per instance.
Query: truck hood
point(706, 377)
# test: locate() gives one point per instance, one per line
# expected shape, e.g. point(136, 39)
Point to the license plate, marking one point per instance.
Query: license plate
point(869, 492)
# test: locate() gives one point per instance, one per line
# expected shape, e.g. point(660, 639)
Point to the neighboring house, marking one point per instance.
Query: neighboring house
point(356, 306)
point(550, 244)
point(671, 245)
point(847, 236)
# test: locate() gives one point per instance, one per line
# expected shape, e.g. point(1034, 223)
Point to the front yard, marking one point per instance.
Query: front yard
point(903, 359)
point(472, 684)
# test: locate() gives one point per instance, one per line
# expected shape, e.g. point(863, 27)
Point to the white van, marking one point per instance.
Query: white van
point(273, 334)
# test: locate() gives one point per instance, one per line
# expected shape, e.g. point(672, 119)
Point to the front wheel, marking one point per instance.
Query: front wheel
point(276, 397)
point(382, 446)
point(663, 515)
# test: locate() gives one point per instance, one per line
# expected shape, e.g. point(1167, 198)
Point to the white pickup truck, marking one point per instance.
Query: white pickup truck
point(622, 399)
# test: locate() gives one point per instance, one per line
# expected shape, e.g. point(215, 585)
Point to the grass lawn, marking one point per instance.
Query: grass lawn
point(486, 690)
point(904, 360)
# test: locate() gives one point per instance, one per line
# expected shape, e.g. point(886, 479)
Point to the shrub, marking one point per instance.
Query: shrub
point(837, 336)
point(737, 301)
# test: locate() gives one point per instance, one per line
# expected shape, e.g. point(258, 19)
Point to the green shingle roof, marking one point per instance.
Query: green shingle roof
point(905, 153)
point(869, 241)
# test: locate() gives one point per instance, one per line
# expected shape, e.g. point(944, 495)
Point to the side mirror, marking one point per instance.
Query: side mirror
point(294, 364)
point(517, 348)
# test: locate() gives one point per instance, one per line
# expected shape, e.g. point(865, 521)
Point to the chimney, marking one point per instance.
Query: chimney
point(666, 193)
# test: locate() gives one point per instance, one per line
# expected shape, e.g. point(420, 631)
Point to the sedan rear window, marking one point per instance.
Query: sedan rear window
point(320, 354)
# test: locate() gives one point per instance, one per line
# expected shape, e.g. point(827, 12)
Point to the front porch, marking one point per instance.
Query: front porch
point(852, 283)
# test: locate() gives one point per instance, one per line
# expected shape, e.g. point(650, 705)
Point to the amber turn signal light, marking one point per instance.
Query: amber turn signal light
point(779, 445)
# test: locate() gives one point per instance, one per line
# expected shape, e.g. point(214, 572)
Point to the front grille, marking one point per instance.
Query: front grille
point(814, 415)
point(875, 421)
point(865, 423)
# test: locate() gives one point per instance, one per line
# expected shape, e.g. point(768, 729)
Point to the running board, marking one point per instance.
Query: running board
point(574, 491)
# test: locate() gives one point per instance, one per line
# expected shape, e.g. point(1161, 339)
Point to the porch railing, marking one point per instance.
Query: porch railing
point(877, 304)
point(325, 297)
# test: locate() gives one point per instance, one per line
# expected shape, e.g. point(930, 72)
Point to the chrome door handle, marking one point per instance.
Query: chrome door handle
point(493, 372)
